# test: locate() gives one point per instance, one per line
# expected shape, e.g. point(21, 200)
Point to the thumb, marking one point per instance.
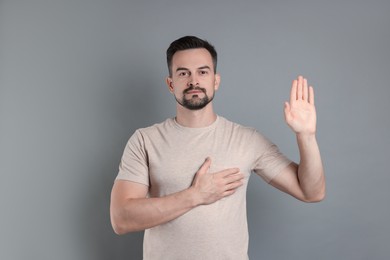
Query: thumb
point(287, 111)
point(205, 166)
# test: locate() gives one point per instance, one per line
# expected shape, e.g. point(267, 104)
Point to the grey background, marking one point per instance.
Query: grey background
point(78, 77)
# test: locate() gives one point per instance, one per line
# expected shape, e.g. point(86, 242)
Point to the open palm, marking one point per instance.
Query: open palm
point(300, 112)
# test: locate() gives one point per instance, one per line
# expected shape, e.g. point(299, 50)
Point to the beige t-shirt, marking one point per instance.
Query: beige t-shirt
point(166, 157)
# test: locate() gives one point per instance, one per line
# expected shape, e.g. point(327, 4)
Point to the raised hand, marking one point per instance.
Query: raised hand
point(211, 187)
point(300, 112)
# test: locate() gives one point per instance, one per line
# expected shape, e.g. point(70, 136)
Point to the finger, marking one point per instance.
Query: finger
point(228, 193)
point(293, 94)
point(287, 111)
point(305, 90)
point(287, 107)
point(234, 185)
point(227, 172)
point(232, 188)
point(234, 178)
point(205, 166)
point(311, 95)
point(300, 87)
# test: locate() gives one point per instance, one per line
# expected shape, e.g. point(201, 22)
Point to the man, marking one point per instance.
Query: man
point(184, 180)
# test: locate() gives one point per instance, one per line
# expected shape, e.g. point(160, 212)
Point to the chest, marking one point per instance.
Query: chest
point(174, 162)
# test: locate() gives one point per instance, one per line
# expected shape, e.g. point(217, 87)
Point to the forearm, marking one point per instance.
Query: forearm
point(310, 169)
point(142, 213)
point(131, 211)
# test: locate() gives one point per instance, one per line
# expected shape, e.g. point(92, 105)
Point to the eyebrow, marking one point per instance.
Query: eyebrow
point(204, 67)
point(181, 68)
point(200, 68)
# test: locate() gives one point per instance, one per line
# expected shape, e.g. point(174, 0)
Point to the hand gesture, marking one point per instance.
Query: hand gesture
point(211, 187)
point(300, 113)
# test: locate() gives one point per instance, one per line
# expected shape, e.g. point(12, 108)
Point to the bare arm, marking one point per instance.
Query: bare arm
point(305, 181)
point(131, 211)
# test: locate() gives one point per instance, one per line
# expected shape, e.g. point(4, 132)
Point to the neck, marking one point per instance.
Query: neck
point(195, 118)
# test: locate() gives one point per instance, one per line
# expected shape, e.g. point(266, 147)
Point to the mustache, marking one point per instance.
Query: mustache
point(191, 88)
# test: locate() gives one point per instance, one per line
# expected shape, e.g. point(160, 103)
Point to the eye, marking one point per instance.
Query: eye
point(183, 74)
point(203, 72)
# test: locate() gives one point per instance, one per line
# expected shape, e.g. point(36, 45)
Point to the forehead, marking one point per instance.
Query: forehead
point(192, 58)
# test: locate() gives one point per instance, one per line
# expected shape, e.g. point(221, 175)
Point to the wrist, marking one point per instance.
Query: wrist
point(306, 138)
point(193, 196)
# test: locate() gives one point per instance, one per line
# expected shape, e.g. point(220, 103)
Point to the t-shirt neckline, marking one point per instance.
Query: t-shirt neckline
point(196, 129)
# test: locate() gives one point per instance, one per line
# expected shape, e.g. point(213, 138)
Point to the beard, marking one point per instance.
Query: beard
point(195, 102)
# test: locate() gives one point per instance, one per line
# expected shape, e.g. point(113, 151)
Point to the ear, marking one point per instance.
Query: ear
point(217, 81)
point(169, 83)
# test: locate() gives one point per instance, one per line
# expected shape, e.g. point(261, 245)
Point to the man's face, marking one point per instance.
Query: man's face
point(193, 81)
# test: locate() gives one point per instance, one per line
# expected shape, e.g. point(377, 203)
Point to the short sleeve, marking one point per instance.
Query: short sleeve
point(134, 162)
point(269, 161)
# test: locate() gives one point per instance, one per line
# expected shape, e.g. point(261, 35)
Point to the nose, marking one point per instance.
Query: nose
point(193, 80)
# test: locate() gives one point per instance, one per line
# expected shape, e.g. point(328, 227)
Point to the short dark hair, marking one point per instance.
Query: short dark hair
point(190, 42)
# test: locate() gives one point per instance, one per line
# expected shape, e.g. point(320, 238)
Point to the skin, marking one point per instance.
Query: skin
point(131, 210)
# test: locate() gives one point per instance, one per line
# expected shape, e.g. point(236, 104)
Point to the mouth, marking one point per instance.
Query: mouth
point(194, 91)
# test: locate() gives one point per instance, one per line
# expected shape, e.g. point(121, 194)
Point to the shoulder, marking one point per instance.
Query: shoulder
point(161, 127)
point(236, 127)
point(244, 133)
point(151, 132)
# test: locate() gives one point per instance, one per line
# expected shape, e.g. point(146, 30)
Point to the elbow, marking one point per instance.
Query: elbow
point(118, 229)
point(315, 198)
point(120, 226)
point(316, 195)
point(117, 226)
